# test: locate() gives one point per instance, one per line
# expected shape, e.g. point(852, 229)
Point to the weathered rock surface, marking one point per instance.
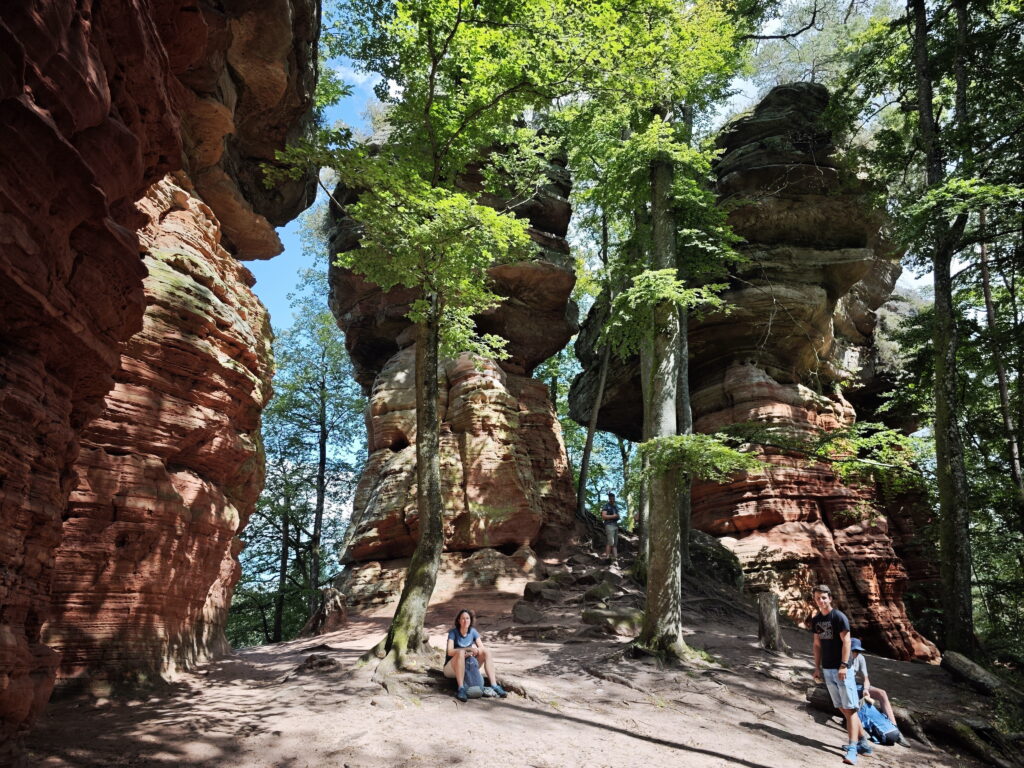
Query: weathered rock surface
point(798, 332)
point(97, 102)
point(373, 588)
point(171, 469)
point(505, 476)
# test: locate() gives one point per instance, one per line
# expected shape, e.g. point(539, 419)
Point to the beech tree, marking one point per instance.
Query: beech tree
point(630, 140)
point(948, 147)
point(456, 79)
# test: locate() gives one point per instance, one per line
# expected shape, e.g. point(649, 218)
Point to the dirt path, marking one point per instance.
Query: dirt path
point(253, 710)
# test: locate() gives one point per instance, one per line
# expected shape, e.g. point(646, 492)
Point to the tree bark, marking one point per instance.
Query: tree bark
point(954, 516)
point(769, 634)
point(1013, 444)
point(321, 491)
point(663, 621)
point(282, 578)
point(684, 426)
point(406, 635)
point(581, 490)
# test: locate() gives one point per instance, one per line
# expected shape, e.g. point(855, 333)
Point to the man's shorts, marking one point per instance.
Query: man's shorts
point(611, 530)
point(844, 693)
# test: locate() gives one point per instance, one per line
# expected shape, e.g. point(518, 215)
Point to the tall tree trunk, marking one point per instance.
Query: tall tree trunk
point(624, 452)
point(282, 577)
point(321, 493)
point(684, 426)
point(406, 635)
point(581, 489)
point(662, 629)
point(1013, 444)
point(684, 413)
point(954, 516)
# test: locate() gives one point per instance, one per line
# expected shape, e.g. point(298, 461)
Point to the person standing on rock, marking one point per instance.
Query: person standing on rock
point(832, 660)
point(610, 516)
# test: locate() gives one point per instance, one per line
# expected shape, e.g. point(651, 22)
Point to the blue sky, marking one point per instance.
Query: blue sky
point(277, 277)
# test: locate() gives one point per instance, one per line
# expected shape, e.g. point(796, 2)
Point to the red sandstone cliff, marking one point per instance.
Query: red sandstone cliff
point(506, 478)
point(171, 469)
point(97, 103)
point(798, 332)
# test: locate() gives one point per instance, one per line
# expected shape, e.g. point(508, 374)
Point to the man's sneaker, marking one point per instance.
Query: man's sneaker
point(864, 747)
point(850, 757)
point(902, 741)
point(461, 694)
point(489, 693)
point(497, 690)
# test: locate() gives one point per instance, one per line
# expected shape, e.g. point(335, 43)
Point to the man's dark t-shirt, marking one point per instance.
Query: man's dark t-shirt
point(827, 628)
point(610, 508)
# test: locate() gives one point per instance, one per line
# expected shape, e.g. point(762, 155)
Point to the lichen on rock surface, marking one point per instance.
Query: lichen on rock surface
point(171, 469)
point(98, 101)
point(796, 339)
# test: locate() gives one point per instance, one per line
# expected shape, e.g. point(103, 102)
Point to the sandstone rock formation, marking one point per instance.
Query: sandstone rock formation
point(97, 103)
point(797, 335)
point(505, 474)
point(171, 469)
point(482, 574)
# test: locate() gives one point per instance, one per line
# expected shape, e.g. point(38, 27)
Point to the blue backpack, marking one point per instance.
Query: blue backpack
point(879, 727)
point(472, 679)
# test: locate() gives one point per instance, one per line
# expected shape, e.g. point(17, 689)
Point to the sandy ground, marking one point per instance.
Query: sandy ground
point(253, 710)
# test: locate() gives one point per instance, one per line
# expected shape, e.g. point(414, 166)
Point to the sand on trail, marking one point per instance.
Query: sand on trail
point(252, 710)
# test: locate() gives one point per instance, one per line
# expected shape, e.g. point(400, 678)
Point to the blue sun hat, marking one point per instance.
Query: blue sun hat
point(855, 644)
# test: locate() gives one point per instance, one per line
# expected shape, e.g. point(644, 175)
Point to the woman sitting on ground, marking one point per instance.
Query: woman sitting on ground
point(464, 641)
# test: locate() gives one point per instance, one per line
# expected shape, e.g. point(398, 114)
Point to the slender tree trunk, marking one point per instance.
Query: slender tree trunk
point(684, 426)
point(624, 452)
point(581, 490)
point(954, 515)
point(321, 494)
point(1013, 443)
point(406, 635)
point(263, 620)
point(684, 413)
point(662, 629)
point(282, 577)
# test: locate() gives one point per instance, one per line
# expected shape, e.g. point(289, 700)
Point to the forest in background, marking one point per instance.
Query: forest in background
point(925, 104)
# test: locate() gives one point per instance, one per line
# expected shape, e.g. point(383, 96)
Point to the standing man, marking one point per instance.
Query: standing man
point(610, 516)
point(832, 659)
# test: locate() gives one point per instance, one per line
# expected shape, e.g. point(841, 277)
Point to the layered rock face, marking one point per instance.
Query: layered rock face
point(171, 469)
point(97, 103)
point(506, 479)
point(799, 330)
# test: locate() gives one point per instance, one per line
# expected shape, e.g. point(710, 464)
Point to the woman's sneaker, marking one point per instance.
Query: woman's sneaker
point(489, 693)
point(495, 690)
point(850, 757)
point(461, 694)
point(864, 747)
